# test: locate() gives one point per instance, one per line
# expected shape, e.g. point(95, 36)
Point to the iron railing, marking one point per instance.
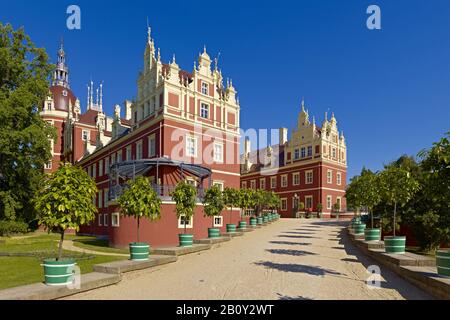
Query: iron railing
point(163, 191)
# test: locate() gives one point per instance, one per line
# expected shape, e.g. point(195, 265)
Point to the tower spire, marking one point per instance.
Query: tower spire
point(61, 72)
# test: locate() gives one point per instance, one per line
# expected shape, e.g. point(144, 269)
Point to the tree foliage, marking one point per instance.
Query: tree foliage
point(213, 202)
point(231, 198)
point(65, 200)
point(139, 200)
point(185, 196)
point(24, 136)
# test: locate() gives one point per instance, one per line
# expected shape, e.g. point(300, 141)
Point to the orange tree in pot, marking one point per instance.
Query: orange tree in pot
point(213, 205)
point(185, 197)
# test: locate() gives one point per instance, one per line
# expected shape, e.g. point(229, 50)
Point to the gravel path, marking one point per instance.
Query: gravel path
point(289, 259)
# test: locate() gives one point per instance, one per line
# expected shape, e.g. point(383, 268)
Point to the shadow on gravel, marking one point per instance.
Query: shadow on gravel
point(283, 297)
point(298, 268)
point(350, 260)
point(290, 252)
point(290, 243)
point(298, 237)
point(296, 232)
point(338, 248)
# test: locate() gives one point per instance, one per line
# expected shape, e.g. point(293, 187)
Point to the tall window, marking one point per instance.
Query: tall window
point(262, 183)
point(296, 154)
point(85, 135)
point(113, 158)
point(49, 106)
point(191, 147)
point(283, 204)
point(333, 154)
point(329, 176)
point(309, 177)
point(244, 184)
point(107, 165)
point(218, 152)
point(310, 151)
point(106, 197)
point(100, 168)
point(296, 179)
point(338, 178)
point(204, 88)
point(204, 111)
point(48, 165)
point(139, 150)
point(273, 182)
point(94, 171)
point(253, 184)
point(284, 181)
point(218, 184)
point(151, 146)
point(308, 202)
point(303, 152)
point(100, 198)
point(128, 153)
point(119, 156)
point(329, 202)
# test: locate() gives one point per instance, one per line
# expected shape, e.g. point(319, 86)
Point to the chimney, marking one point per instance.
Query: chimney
point(127, 104)
point(283, 136)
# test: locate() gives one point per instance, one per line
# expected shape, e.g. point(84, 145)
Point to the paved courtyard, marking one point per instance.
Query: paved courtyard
point(289, 259)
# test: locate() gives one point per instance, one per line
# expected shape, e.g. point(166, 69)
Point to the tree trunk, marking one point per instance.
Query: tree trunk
point(371, 215)
point(138, 229)
point(60, 246)
point(231, 213)
point(395, 212)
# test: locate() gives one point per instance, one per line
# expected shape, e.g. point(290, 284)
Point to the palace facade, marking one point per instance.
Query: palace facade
point(310, 167)
point(181, 126)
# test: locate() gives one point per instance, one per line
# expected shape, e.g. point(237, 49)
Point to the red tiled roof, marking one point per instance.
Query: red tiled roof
point(89, 117)
point(125, 122)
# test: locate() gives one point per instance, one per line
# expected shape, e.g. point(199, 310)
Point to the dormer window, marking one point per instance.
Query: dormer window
point(49, 106)
point(204, 88)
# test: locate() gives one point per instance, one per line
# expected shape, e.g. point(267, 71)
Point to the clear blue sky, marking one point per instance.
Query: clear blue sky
point(389, 89)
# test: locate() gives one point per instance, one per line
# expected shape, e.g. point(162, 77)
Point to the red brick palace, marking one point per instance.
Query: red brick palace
point(182, 125)
point(311, 167)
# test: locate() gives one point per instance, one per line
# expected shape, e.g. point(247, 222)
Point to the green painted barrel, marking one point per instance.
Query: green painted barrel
point(213, 233)
point(443, 262)
point(231, 228)
point(259, 220)
point(139, 251)
point(395, 244)
point(253, 221)
point(186, 240)
point(265, 219)
point(372, 234)
point(242, 225)
point(59, 273)
point(359, 228)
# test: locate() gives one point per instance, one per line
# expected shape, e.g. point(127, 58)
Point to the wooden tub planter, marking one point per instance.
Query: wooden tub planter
point(139, 251)
point(253, 221)
point(359, 228)
point(242, 224)
point(395, 244)
point(259, 220)
point(59, 273)
point(213, 233)
point(265, 219)
point(372, 234)
point(186, 240)
point(231, 227)
point(443, 262)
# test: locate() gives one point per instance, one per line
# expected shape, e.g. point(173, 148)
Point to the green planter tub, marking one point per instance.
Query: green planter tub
point(259, 220)
point(372, 234)
point(443, 262)
point(395, 244)
point(265, 219)
point(139, 251)
point(253, 221)
point(231, 228)
point(242, 225)
point(359, 228)
point(213, 233)
point(59, 273)
point(186, 240)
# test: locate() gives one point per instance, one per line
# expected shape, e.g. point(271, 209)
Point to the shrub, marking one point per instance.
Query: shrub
point(12, 227)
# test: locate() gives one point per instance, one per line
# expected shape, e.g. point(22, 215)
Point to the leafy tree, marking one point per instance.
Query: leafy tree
point(353, 194)
point(24, 136)
point(369, 191)
point(319, 209)
point(65, 200)
point(231, 198)
point(274, 201)
point(213, 202)
point(397, 187)
point(259, 199)
point(185, 196)
point(140, 200)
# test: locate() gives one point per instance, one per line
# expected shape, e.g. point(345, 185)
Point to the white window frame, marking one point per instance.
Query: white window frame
point(204, 107)
point(119, 156)
point(296, 154)
point(218, 156)
point(188, 226)
point(219, 183)
point(303, 152)
point(151, 146)
point(191, 181)
point(339, 200)
point(244, 184)
point(190, 139)
point(338, 178)
point(283, 201)
point(106, 197)
point(107, 165)
point(329, 176)
point(100, 168)
point(100, 220)
point(296, 178)
point(309, 173)
point(205, 88)
point(253, 184)
point(220, 224)
point(139, 150)
point(48, 166)
point(308, 153)
point(88, 134)
point(94, 170)
point(115, 215)
point(306, 201)
point(273, 182)
point(105, 220)
point(284, 181)
point(329, 202)
point(262, 183)
point(128, 153)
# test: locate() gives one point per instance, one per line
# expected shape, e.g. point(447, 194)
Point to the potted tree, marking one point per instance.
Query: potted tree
point(397, 188)
point(248, 198)
point(353, 196)
point(319, 209)
point(213, 205)
point(254, 199)
point(337, 209)
point(64, 200)
point(139, 201)
point(301, 209)
point(185, 196)
point(232, 200)
point(370, 197)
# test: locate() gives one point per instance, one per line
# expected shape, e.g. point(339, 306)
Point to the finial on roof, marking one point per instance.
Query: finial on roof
point(149, 31)
point(159, 54)
point(173, 59)
point(303, 104)
point(204, 48)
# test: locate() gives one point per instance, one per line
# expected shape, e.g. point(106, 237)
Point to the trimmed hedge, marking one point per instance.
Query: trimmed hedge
point(12, 227)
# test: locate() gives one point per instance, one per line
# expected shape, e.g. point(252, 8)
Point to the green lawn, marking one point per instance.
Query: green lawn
point(16, 271)
point(92, 243)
